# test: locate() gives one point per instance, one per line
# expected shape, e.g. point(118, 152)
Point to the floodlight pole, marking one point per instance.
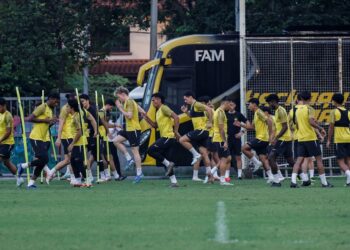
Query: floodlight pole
point(154, 24)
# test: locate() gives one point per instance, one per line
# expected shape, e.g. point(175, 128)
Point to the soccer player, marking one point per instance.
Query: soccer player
point(339, 127)
point(202, 120)
point(308, 144)
point(168, 124)
point(263, 135)
point(132, 130)
point(282, 141)
point(7, 139)
point(220, 139)
point(92, 134)
point(64, 138)
point(43, 118)
point(235, 134)
point(76, 147)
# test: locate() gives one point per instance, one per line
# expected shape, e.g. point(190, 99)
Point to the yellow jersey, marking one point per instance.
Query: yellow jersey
point(165, 122)
point(292, 122)
point(101, 128)
point(198, 116)
point(261, 128)
point(305, 131)
point(40, 130)
point(219, 119)
point(6, 121)
point(340, 117)
point(132, 124)
point(76, 125)
point(280, 118)
point(67, 132)
point(211, 130)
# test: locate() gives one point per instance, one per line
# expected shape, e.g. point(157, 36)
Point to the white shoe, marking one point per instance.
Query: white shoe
point(282, 179)
point(90, 179)
point(269, 181)
point(257, 166)
point(19, 181)
point(206, 179)
point(195, 159)
point(225, 183)
point(49, 177)
point(197, 179)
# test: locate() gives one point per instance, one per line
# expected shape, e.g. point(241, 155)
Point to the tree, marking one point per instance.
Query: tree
point(44, 41)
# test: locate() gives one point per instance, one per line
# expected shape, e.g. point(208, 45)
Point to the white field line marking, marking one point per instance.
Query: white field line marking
point(222, 232)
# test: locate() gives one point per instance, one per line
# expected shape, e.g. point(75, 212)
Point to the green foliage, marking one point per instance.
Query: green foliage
point(104, 84)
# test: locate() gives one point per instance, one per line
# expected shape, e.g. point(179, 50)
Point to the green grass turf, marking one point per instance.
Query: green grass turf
point(152, 216)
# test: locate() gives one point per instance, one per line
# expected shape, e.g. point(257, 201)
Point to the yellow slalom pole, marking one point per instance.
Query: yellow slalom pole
point(107, 143)
point(82, 131)
point(24, 136)
point(97, 138)
point(42, 101)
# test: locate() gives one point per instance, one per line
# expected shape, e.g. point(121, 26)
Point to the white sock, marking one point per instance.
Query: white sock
point(214, 171)
point(46, 169)
point(255, 160)
point(166, 162)
point(323, 179)
point(107, 173)
point(195, 174)
point(294, 178)
point(139, 171)
point(280, 174)
point(304, 177)
point(239, 173)
point(115, 174)
point(347, 173)
point(269, 174)
point(194, 152)
point(89, 172)
point(31, 182)
point(222, 178)
point(208, 170)
point(67, 171)
point(102, 175)
point(72, 177)
point(276, 178)
point(24, 165)
point(127, 156)
point(227, 173)
point(311, 173)
point(173, 179)
point(78, 180)
point(52, 171)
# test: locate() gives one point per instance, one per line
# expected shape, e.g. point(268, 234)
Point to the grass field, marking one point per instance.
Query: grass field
point(152, 216)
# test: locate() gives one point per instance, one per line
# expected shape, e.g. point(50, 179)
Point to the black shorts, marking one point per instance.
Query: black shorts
point(91, 143)
point(235, 146)
point(5, 151)
point(78, 154)
point(40, 148)
point(65, 144)
point(283, 148)
point(309, 148)
point(199, 137)
point(260, 147)
point(222, 152)
point(210, 145)
point(295, 151)
point(132, 136)
point(342, 150)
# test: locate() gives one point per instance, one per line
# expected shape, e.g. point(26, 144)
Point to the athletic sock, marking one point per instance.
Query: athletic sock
point(222, 178)
point(166, 162)
point(311, 173)
point(195, 174)
point(67, 171)
point(24, 165)
point(194, 152)
point(106, 171)
point(102, 175)
point(280, 174)
point(115, 174)
point(89, 172)
point(269, 174)
point(276, 178)
point(31, 182)
point(304, 177)
point(139, 171)
point(173, 179)
point(255, 160)
point(214, 171)
point(227, 173)
point(294, 178)
point(78, 180)
point(347, 173)
point(323, 179)
point(239, 173)
point(127, 156)
point(208, 170)
point(46, 169)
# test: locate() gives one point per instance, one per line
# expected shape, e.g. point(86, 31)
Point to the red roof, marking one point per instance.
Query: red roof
point(128, 68)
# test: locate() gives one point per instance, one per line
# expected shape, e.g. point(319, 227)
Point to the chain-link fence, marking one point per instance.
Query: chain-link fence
point(286, 65)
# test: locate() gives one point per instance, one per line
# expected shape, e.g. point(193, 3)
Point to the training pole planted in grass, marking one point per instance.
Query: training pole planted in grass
point(97, 139)
point(24, 136)
point(107, 143)
point(82, 132)
point(42, 102)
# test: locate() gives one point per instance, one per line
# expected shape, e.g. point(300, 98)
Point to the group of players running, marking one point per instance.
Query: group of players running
point(215, 138)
